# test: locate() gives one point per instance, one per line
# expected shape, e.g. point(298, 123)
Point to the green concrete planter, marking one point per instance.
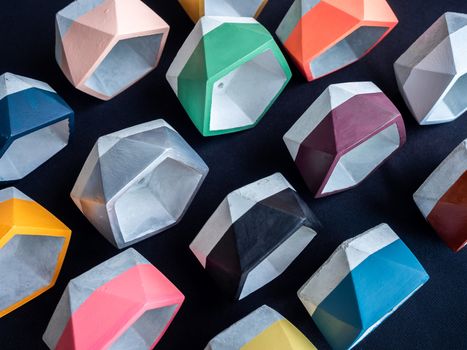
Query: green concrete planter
point(227, 74)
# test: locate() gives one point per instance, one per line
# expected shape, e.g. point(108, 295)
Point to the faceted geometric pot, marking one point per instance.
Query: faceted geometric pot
point(323, 36)
point(442, 198)
point(233, 8)
point(35, 124)
point(227, 74)
point(254, 235)
point(263, 329)
point(123, 303)
point(33, 244)
point(432, 73)
point(348, 132)
point(363, 282)
point(138, 182)
point(105, 46)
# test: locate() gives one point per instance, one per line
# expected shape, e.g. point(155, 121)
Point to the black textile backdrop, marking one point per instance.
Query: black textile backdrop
point(434, 318)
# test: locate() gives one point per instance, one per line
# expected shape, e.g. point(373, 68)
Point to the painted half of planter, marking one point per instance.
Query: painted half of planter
point(254, 235)
point(262, 329)
point(105, 46)
point(33, 244)
point(241, 8)
point(350, 130)
point(123, 303)
point(227, 74)
point(138, 182)
point(323, 36)
point(35, 124)
point(442, 198)
point(432, 73)
point(364, 281)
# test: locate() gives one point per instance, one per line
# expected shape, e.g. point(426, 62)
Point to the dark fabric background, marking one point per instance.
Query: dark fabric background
point(436, 316)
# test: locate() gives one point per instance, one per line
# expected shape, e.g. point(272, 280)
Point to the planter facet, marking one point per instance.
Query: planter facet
point(323, 36)
point(105, 46)
point(442, 198)
point(254, 235)
point(33, 244)
point(349, 131)
point(262, 329)
point(364, 281)
point(227, 74)
point(138, 182)
point(123, 303)
point(432, 73)
point(241, 8)
point(35, 124)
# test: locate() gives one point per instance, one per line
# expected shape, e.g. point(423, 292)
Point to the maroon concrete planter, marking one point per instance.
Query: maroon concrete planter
point(348, 132)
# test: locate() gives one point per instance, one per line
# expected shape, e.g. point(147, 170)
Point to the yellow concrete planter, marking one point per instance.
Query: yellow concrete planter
point(33, 244)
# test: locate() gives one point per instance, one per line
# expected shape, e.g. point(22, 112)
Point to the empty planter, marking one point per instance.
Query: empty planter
point(442, 198)
point(344, 136)
point(254, 235)
point(123, 303)
point(35, 124)
point(363, 282)
point(227, 74)
point(323, 36)
point(105, 46)
point(263, 329)
point(33, 244)
point(432, 73)
point(241, 8)
point(138, 182)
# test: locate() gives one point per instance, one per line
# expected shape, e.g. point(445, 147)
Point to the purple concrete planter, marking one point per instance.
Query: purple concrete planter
point(348, 132)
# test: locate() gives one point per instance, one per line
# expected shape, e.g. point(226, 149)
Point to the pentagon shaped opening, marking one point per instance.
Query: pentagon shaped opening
point(347, 51)
point(244, 8)
point(128, 61)
point(147, 329)
point(240, 98)
point(278, 261)
point(30, 151)
point(27, 264)
point(358, 163)
point(156, 200)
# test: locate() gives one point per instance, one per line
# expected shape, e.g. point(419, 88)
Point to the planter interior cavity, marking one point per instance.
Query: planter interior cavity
point(242, 96)
point(27, 264)
point(31, 150)
point(128, 61)
point(346, 51)
point(156, 200)
point(278, 261)
point(359, 162)
point(146, 330)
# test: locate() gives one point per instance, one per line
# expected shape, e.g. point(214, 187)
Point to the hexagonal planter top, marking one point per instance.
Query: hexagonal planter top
point(323, 36)
point(138, 182)
point(364, 281)
point(35, 124)
point(263, 329)
point(33, 244)
point(432, 73)
point(241, 8)
point(105, 46)
point(442, 198)
point(349, 131)
point(254, 235)
point(123, 303)
point(227, 74)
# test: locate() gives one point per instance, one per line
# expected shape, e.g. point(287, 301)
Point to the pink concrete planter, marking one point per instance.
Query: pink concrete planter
point(105, 46)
